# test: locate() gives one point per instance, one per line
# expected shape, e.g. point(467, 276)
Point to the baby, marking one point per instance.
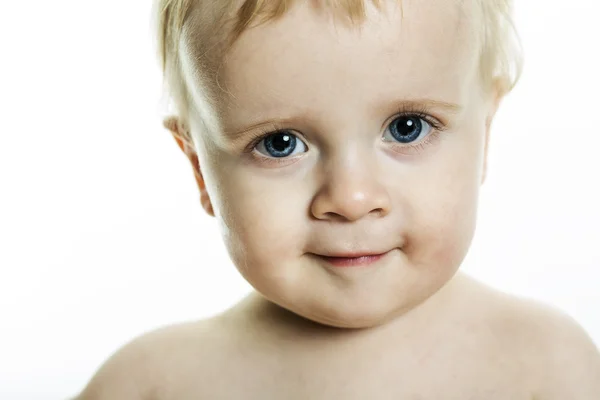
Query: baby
point(341, 145)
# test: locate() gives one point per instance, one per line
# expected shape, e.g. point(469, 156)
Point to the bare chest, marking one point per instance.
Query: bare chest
point(358, 388)
point(453, 375)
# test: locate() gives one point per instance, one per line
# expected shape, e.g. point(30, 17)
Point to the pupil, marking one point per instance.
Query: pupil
point(280, 142)
point(406, 129)
point(280, 145)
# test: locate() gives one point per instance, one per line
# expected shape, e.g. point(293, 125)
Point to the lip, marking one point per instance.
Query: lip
point(352, 259)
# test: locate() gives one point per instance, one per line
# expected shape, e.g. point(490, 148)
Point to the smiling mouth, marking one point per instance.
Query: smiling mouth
point(352, 260)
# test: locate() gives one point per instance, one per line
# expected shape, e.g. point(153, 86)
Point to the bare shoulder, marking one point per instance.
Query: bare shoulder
point(563, 361)
point(566, 359)
point(143, 368)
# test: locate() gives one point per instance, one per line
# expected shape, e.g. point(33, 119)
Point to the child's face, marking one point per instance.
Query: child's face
point(382, 151)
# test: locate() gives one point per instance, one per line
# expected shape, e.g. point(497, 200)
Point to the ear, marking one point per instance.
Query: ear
point(494, 102)
point(184, 141)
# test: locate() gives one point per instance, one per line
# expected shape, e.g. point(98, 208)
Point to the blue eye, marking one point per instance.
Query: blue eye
point(280, 145)
point(409, 128)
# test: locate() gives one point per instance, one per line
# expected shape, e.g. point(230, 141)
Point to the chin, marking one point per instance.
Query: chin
point(367, 312)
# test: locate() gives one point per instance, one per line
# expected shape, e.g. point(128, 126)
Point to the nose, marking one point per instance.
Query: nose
point(350, 193)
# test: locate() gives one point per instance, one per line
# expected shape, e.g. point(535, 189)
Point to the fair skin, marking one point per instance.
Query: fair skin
point(348, 185)
point(381, 149)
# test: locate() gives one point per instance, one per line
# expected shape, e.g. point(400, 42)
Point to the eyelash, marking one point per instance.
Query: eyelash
point(422, 113)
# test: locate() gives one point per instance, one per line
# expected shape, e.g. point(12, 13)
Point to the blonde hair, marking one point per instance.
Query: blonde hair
point(220, 22)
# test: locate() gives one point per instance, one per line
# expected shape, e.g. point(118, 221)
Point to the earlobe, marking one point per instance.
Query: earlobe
point(206, 203)
point(182, 137)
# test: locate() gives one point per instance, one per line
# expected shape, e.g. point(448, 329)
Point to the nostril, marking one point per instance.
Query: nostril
point(334, 216)
point(378, 212)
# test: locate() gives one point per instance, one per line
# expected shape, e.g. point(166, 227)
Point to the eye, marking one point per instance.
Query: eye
point(281, 144)
point(408, 128)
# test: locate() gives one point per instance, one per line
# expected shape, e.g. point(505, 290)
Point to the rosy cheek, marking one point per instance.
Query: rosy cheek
point(259, 234)
point(441, 233)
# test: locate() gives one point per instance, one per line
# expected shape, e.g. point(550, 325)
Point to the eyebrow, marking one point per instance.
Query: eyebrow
point(452, 108)
point(417, 105)
point(234, 135)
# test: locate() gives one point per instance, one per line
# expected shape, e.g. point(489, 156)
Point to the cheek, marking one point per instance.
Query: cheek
point(445, 233)
point(261, 221)
point(444, 210)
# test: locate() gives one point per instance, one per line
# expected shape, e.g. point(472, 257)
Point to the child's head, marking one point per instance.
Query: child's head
point(340, 127)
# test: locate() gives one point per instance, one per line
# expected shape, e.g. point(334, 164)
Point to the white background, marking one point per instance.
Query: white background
point(102, 236)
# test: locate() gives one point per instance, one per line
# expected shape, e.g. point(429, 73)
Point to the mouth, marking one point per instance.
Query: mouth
point(352, 259)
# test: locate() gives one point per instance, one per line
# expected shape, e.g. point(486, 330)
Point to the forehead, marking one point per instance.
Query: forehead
point(306, 60)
